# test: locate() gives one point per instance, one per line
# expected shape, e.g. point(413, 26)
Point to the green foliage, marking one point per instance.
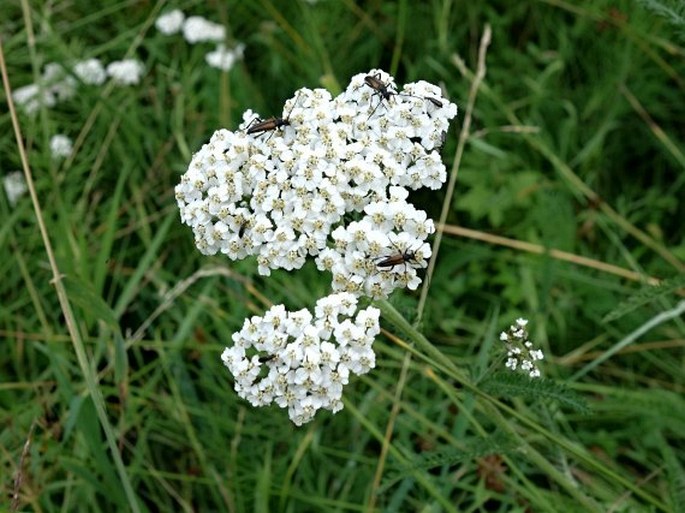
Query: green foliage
point(671, 10)
point(645, 296)
point(448, 456)
point(575, 145)
point(509, 385)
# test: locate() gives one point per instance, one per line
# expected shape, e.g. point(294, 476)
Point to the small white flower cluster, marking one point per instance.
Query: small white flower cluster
point(197, 29)
point(126, 72)
point(299, 361)
point(223, 58)
point(60, 146)
point(90, 71)
point(57, 84)
point(281, 189)
point(53, 86)
point(520, 352)
point(171, 22)
point(15, 186)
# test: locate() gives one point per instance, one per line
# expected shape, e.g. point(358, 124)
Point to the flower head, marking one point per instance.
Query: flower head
point(197, 29)
point(521, 354)
point(60, 146)
point(170, 22)
point(15, 186)
point(125, 72)
point(299, 361)
point(282, 188)
point(90, 71)
point(54, 85)
point(223, 58)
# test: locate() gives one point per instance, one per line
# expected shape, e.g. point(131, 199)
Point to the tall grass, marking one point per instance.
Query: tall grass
point(566, 210)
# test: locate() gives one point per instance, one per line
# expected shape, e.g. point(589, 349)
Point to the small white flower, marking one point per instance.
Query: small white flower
point(197, 29)
point(15, 186)
point(31, 97)
point(60, 146)
point(223, 58)
point(520, 352)
point(171, 22)
point(125, 72)
point(61, 85)
point(537, 355)
point(90, 71)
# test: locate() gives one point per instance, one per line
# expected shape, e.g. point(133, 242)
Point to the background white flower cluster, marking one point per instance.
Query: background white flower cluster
point(15, 186)
point(60, 146)
point(197, 29)
point(58, 83)
point(331, 182)
point(299, 361)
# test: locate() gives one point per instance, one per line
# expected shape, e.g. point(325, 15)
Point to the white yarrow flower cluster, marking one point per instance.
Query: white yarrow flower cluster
point(520, 352)
point(302, 361)
point(54, 85)
point(126, 72)
point(284, 195)
point(60, 146)
point(197, 29)
point(15, 186)
point(170, 22)
point(223, 58)
point(90, 71)
point(57, 84)
point(329, 181)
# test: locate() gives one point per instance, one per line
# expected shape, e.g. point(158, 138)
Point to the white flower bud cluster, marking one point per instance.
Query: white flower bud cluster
point(197, 29)
point(57, 84)
point(283, 189)
point(126, 72)
point(90, 71)
point(54, 85)
point(170, 22)
point(15, 186)
point(520, 353)
point(60, 146)
point(299, 361)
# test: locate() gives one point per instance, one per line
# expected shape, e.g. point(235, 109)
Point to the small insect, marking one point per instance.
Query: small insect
point(408, 256)
point(383, 90)
point(434, 101)
point(266, 358)
point(262, 126)
point(380, 88)
point(241, 230)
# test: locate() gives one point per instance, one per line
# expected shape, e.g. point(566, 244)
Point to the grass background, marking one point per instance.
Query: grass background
point(576, 144)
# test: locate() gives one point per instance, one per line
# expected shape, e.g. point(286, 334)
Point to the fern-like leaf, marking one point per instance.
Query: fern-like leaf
point(646, 295)
point(509, 384)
